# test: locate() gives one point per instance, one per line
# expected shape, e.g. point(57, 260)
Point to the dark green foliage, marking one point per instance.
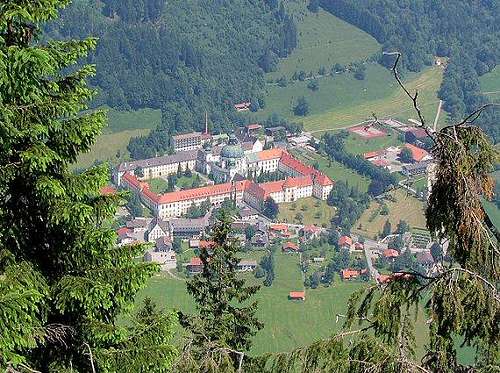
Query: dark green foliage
point(134, 205)
point(402, 227)
point(406, 156)
point(437, 252)
point(313, 85)
point(183, 57)
point(387, 230)
point(313, 6)
point(148, 347)
point(301, 108)
point(250, 232)
point(382, 180)
point(197, 211)
point(270, 208)
point(267, 264)
point(219, 293)
point(473, 48)
point(350, 204)
point(63, 281)
point(177, 245)
point(275, 120)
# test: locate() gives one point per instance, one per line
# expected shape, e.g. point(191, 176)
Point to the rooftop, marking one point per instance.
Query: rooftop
point(417, 153)
point(186, 136)
point(181, 156)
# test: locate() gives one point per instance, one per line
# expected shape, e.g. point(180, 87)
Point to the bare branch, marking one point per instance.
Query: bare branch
point(90, 357)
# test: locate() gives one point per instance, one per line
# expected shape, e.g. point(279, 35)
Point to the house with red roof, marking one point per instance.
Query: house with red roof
point(195, 265)
point(390, 253)
point(297, 295)
point(311, 231)
point(290, 247)
point(345, 242)
point(349, 274)
point(243, 106)
point(418, 154)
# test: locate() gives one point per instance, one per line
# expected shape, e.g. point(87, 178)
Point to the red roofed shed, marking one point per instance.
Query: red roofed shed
point(297, 295)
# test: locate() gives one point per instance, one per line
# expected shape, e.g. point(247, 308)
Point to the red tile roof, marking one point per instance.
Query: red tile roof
point(291, 246)
point(349, 273)
point(269, 154)
point(272, 187)
point(123, 231)
point(381, 162)
point(298, 182)
point(345, 240)
point(391, 253)
point(203, 192)
point(242, 105)
point(254, 126)
point(418, 132)
point(206, 244)
point(417, 153)
point(297, 295)
point(305, 170)
point(373, 154)
point(384, 278)
point(195, 261)
point(279, 227)
point(108, 190)
point(311, 228)
point(323, 180)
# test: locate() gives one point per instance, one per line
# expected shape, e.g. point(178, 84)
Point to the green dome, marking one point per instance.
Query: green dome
point(233, 149)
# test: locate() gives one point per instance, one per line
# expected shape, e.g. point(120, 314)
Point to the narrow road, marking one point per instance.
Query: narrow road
point(373, 271)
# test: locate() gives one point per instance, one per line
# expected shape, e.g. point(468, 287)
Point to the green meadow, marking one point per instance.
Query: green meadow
point(111, 145)
point(323, 40)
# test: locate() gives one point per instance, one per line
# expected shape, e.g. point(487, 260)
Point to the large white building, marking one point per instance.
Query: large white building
point(302, 181)
point(158, 166)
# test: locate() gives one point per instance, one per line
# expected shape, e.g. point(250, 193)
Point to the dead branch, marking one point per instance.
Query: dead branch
point(90, 357)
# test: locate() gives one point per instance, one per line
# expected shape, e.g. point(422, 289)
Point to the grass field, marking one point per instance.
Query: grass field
point(158, 185)
point(287, 324)
point(323, 40)
point(491, 82)
point(316, 212)
point(406, 208)
point(334, 170)
point(122, 126)
point(396, 104)
point(358, 145)
point(343, 101)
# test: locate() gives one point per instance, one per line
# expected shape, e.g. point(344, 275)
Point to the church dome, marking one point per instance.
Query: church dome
point(233, 149)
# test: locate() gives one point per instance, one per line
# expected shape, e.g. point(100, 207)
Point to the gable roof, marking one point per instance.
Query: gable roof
point(417, 153)
point(163, 224)
point(195, 261)
point(290, 246)
point(177, 157)
point(297, 295)
point(345, 240)
point(350, 273)
point(203, 192)
point(391, 253)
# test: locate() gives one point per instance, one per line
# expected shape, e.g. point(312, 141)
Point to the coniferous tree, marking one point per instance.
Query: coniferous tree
point(63, 281)
point(222, 328)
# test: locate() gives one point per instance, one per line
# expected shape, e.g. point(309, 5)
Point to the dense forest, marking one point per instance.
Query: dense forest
point(183, 57)
point(466, 32)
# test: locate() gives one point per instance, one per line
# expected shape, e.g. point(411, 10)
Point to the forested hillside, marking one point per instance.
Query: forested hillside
point(183, 56)
point(467, 32)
